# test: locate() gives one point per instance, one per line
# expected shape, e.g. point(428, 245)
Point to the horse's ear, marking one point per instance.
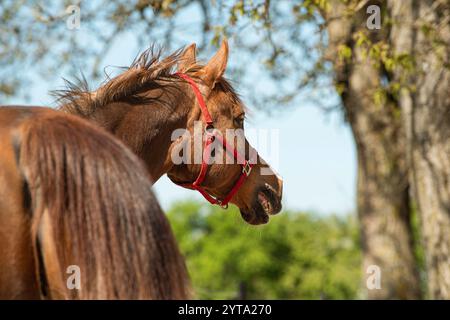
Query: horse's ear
point(217, 65)
point(187, 58)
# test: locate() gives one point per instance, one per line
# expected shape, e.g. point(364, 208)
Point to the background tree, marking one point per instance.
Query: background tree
point(392, 83)
point(362, 76)
point(424, 36)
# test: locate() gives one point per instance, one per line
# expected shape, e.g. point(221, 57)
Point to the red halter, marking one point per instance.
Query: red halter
point(211, 135)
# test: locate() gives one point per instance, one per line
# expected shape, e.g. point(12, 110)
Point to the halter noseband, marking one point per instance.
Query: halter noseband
point(211, 135)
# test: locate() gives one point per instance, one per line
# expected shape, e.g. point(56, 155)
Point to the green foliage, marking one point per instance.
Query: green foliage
point(296, 256)
point(345, 52)
point(382, 56)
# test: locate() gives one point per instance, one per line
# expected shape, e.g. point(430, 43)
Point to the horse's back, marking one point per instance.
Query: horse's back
point(12, 115)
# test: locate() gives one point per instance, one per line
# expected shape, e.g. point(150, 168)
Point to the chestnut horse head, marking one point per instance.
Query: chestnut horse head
point(149, 102)
point(248, 181)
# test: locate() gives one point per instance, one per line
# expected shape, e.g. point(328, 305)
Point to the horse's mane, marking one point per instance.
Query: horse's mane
point(147, 72)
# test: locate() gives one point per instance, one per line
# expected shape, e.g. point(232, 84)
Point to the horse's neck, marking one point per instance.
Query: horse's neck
point(146, 129)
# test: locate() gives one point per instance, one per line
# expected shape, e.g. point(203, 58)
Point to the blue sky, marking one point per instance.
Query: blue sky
point(316, 156)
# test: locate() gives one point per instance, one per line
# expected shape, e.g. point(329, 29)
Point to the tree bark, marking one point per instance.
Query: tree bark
point(426, 114)
point(382, 187)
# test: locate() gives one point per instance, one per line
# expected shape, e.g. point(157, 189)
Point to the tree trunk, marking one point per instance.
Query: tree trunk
point(426, 113)
point(382, 187)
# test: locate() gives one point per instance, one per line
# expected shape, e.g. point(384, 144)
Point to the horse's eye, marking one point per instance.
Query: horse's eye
point(239, 121)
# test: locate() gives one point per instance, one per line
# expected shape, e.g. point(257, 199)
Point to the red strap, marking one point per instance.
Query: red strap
point(236, 187)
point(235, 153)
point(205, 160)
point(199, 96)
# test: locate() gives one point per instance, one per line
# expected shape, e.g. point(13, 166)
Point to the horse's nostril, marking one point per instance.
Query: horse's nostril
point(274, 193)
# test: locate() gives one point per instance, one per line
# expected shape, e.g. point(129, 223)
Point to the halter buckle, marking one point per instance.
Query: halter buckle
point(223, 206)
point(246, 168)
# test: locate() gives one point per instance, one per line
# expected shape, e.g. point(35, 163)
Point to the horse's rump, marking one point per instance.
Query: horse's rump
point(92, 207)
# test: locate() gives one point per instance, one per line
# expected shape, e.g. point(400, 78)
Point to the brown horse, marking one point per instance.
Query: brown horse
point(72, 195)
point(144, 105)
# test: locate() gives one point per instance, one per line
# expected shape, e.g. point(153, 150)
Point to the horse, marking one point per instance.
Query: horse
point(147, 103)
point(73, 197)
